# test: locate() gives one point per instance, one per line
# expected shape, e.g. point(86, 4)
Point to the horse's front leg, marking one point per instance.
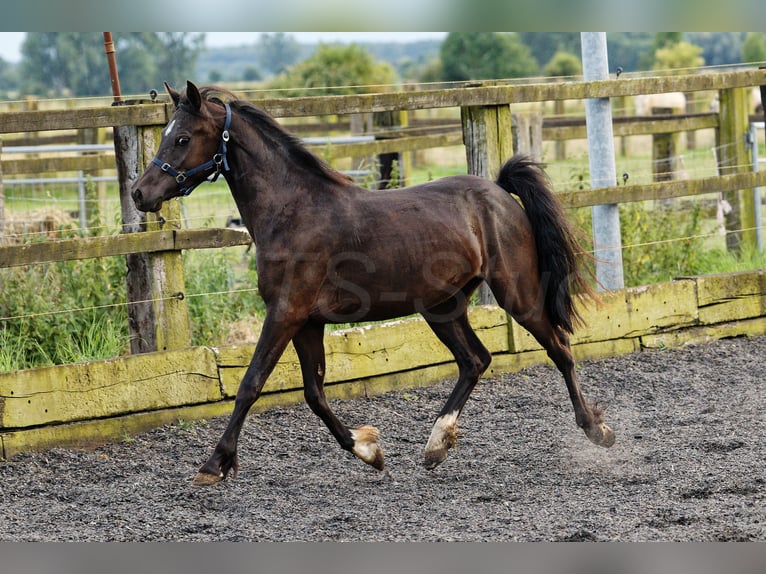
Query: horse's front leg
point(275, 336)
point(363, 441)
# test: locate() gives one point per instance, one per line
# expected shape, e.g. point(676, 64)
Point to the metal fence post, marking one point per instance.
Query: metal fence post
point(607, 241)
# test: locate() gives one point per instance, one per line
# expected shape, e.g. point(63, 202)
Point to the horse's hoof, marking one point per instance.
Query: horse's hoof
point(206, 479)
point(601, 435)
point(366, 446)
point(434, 458)
point(443, 437)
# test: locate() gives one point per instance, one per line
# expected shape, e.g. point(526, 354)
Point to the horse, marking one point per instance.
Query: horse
point(329, 251)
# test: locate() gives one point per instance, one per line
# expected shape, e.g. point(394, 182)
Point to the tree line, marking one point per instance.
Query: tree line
point(73, 64)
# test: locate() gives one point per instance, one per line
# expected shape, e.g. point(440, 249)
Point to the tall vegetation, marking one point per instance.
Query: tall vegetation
point(75, 311)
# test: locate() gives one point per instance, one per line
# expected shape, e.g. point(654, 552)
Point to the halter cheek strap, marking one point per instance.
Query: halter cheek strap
point(218, 163)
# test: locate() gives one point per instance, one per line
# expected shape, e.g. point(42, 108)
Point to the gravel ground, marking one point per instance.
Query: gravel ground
point(688, 465)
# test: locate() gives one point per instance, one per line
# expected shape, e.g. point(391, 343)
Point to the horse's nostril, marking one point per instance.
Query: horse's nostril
point(137, 195)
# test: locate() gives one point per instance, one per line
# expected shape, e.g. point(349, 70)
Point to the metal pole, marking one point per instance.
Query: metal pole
point(112, 61)
point(607, 242)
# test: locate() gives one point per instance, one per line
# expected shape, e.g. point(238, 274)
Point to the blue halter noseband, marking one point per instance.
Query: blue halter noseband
point(219, 162)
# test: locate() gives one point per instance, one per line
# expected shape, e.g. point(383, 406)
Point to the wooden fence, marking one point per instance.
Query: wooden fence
point(107, 399)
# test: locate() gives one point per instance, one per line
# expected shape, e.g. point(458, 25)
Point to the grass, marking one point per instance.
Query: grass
point(102, 338)
point(13, 349)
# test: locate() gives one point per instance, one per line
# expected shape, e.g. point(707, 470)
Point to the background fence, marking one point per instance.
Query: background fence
point(72, 403)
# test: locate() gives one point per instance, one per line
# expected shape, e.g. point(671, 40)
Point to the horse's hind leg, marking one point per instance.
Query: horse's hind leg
point(361, 441)
point(472, 359)
point(525, 307)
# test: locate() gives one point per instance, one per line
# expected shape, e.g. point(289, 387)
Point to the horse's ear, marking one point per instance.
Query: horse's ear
point(193, 95)
point(175, 96)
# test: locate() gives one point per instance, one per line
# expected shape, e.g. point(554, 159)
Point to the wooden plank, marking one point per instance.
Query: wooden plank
point(211, 237)
point(122, 244)
point(101, 117)
point(159, 113)
point(85, 248)
point(41, 165)
point(367, 351)
point(507, 94)
point(719, 287)
point(626, 314)
point(556, 130)
point(107, 388)
point(731, 296)
point(389, 145)
point(661, 190)
point(705, 334)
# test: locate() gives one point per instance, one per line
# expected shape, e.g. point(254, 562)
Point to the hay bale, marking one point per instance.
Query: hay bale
point(21, 227)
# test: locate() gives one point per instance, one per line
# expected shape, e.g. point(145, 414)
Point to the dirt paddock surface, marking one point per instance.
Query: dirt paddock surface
point(688, 465)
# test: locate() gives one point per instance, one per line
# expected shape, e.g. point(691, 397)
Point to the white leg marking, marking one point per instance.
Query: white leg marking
point(444, 432)
point(366, 445)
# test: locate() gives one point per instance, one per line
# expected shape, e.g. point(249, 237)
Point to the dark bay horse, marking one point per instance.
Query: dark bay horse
point(328, 251)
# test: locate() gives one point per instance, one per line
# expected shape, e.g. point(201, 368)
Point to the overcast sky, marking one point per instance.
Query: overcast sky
point(10, 42)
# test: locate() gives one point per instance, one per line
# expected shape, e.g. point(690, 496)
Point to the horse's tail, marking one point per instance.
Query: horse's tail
point(557, 248)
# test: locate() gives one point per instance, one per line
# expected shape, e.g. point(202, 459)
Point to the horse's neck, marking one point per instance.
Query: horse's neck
point(266, 197)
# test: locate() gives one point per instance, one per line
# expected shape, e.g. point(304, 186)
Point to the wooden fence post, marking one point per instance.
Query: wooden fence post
point(2, 198)
point(158, 316)
point(528, 134)
point(386, 126)
point(488, 139)
point(559, 110)
point(140, 308)
point(361, 124)
point(664, 151)
point(733, 157)
point(168, 287)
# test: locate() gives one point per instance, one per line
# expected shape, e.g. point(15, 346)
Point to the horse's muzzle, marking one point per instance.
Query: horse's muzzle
point(141, 203)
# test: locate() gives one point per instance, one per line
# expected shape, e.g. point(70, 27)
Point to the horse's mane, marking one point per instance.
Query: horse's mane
point(278, 137)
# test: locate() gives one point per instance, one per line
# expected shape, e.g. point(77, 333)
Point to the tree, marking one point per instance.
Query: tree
point(719, 48)
point(485, 55)
point(667, 39)
point(630, 50)
point(754, 47)
point(74, 63)
point(336, 69)
point(251, 74)
point(9, 79)
point(563, 64)
point(277, 51)
point(544, 45)
point(678, 56)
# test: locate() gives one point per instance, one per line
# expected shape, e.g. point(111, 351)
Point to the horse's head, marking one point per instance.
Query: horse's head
point(193, 147)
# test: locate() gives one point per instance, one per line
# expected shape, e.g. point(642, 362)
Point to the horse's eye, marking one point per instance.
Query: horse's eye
point(182, 140)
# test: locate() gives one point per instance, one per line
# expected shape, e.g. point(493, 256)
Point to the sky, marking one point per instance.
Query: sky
point(10, 42)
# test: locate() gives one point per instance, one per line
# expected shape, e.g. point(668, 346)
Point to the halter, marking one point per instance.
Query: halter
point(219, 161)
